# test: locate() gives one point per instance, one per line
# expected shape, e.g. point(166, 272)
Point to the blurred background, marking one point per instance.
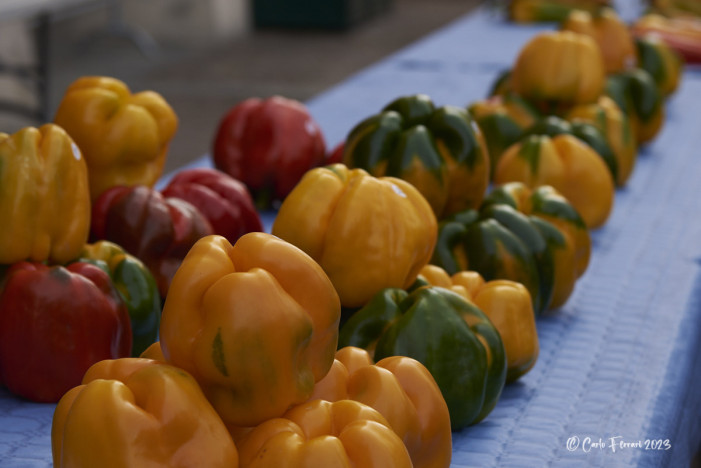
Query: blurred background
point(203, 56)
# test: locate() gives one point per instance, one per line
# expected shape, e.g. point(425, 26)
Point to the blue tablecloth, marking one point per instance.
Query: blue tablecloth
point(618, 379)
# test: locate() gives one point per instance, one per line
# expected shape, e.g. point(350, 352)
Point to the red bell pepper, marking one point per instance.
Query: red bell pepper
point(223, 200)
point(55, 322)
point(156, 229)
point(268, 145)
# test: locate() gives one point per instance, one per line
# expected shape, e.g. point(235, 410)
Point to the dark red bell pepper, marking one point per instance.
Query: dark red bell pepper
point(223, 200)
point(156, 229)
point(268, 144)
point(55, 322)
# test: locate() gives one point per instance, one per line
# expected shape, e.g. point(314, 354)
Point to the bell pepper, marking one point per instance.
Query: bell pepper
point(610, 33)
point(548, 204)
point(502, 119)
point(268, 144)
point(663, 63)
point(529, 11)
point(439, 150)
point(638, 96)
point(55, 322)
point(157, 230)
point(255, 323)
point(605, 115)
point(223, 200)
point(508, 306)
point(450, 336)
point(681, 33)
point(123, 136)
point(403, 391)
point(569, 165)
point(584, 131)
point(136, 287)
point(45, 202)
point(501, 243)
point(134, 412)
point(320, 433)
point(558, 69)
point(367, 233)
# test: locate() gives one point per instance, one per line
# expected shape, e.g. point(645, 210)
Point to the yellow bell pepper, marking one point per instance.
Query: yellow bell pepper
point(569, 165)
point(123, 136)
point(508, 306)
point(319, 433)
point(255, 323)
point(44, 201)
point(403, 391)
point(610, 33)
point(558, 69)
point(134, 412)
point(616, 127)
point(367, 233)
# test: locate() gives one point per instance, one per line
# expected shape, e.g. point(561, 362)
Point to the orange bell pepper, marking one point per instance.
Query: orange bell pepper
point(368, 233)
point(403, 391)
point(319, 433)
point(508, 306)
point(44, 203)
point(133, 412)
point(255, 323)
point(610, 33)
point(557, 69)
point(569, 165)
point(123, 136)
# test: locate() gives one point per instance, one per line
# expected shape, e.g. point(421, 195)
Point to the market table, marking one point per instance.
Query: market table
point(618, 379)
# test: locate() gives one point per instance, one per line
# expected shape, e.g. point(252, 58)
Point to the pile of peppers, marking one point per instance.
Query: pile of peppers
point(395, 298)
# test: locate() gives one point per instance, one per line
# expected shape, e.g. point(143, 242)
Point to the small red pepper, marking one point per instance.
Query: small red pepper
point(157, 230)
point(268, 145)
point(55, 322)
point(223, 200)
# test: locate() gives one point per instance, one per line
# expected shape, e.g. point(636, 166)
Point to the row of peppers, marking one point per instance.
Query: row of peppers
point(374, 264)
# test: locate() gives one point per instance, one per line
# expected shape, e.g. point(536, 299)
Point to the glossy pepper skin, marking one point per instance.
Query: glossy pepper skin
point(611, 34)
point(268, 144)
point(223, 200)
point(134, 412)
point(450, 336)
point(567, 164)
point(638, 96)
point(136, 287)
point(55, 322)
point(548, 204)
point(256, 323)
point(508, 306)
point(123, 136)
point(43, 219)
point(503, 119)
point(320, 433)
point(157, 230)
point(439, 150)
point(559, 69)
point(663, 63)
point(367, 233)
point(403, 391)
point(616, 128)
point(499, 242)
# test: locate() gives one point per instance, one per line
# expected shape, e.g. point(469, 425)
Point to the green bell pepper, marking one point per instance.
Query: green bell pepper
point(450, 336)
point(439, 150)
point(500, 243)
point(637, 94)
point(136, 287)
